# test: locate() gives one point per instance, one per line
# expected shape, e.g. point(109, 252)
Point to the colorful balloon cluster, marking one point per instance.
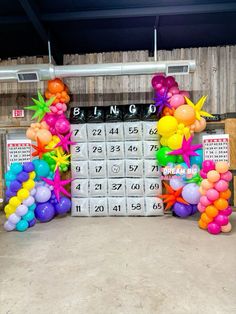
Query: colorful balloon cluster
point(29, 197)
point(179, 119)
point(214, 206)
point(34, 188)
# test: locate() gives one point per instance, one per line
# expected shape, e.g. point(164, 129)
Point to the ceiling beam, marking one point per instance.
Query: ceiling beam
point(34, 17)
point(140, 12)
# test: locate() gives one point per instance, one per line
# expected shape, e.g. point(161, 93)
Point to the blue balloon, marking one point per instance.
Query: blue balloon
point(9, 193)
point(16, 167)
point(23, 176)
point(41, 168)
point(10, 176)
point(28, 166)
point(63, 206)
point(197, 160)
point(15, 186)
point(32, 207)
point(22, 225)
point(29, 216)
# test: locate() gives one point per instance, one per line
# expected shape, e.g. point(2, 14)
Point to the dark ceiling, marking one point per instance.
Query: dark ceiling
point(85, 26)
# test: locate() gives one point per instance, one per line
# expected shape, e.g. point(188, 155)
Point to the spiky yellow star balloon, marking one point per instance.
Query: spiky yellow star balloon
point(60, 159)
point(198, 107)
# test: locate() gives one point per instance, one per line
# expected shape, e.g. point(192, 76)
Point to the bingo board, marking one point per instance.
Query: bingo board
point(113, 162)
point(216, 147)
point(18, 151)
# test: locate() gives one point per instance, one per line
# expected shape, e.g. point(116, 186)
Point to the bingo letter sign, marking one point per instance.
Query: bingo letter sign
point(216, 147)
point(18, 151)
point(113, 161)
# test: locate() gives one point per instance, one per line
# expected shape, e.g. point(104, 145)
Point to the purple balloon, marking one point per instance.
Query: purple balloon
point(63, 206)
point(23, 176)
point(21, 210)
point(28, 166)
point(8, 226)
point(43, 194)
point(33, 191)
point(191, 194)
point(44, 212)
point(194, 209)
point(32, 222)
point(9, 193)
point(176, 183)
point(14, 219)
point(15, 186)
point(182, 210)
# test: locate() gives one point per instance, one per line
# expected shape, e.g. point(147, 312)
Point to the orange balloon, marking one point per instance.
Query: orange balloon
point(221, 204)
point(213, 176)
point(226, 228)
point(55, 86)
point(222, 166)
point(206, 218)
point(211, 211)
point(168, 112)
point(202, 190)
point(226, 194)
point(202, 224)
point(200, 125)
point(185, 114)
point(44, 136)
point(30, 134)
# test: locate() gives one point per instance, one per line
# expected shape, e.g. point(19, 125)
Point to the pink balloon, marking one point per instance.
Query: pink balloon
point(201, 208)
point(221, 185)
point(221, 220)
point(205, 201)
point(203, 174)
point(212, 195)
point(208, 165)
point(174, 90)
point(50, 119)
point(227, 212)
point(213, 228)
point(62, 126)
point(162, 90)
point(177, 100)
point(227, 176)
point(184, 93)
point(169, 95)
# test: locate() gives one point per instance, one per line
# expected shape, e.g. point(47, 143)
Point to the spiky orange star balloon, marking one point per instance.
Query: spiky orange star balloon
point(172, 196)
point(40, 149)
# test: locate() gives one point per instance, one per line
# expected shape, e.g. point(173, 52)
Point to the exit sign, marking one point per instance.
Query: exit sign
point(18, 113)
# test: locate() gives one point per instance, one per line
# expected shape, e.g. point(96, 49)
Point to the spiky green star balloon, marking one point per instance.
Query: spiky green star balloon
point(41, 107)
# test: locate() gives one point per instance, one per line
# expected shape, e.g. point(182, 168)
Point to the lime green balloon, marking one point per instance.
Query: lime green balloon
point(179, 159)
point(162, 156)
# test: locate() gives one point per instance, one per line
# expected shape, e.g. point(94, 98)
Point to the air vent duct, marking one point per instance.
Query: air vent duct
point(44, 72)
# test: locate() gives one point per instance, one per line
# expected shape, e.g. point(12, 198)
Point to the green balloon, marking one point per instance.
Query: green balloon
point(179, 159)
point(162, 156)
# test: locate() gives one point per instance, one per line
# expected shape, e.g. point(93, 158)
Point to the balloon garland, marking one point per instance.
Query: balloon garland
point(34, 189)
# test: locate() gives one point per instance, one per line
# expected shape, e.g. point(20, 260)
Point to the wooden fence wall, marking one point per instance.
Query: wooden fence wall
point(215, 76)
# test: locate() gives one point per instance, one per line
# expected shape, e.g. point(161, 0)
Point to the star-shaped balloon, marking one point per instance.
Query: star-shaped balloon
point(161, 101)
point(65, 141)
point(198, 107)
point(58, 185)
point(60, 159)
point(41, 107)
point(187, 150)
point(172, 196)
point(40, 149)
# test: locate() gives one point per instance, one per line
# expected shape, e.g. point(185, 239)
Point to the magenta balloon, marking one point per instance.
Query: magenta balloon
point(169, 81)
point(227, 212)
point(62, 126)
point(213, 228)
point(184, 93)
point(203, 174)
point(191, 194)
point(208, 165)
point(221, 220)
point(50, 119)
point(157, 79)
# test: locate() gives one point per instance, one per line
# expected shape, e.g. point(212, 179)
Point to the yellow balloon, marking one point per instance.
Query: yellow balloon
point(164, 141)
point(9, 209)
point(56, 139)
point(28, 185)
point(32, 175)
point(175, 141)
point(167, 126)
point(22, 194)
point(14, 201)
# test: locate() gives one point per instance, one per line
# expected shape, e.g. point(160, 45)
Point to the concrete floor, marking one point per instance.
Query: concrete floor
point(118, 266)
